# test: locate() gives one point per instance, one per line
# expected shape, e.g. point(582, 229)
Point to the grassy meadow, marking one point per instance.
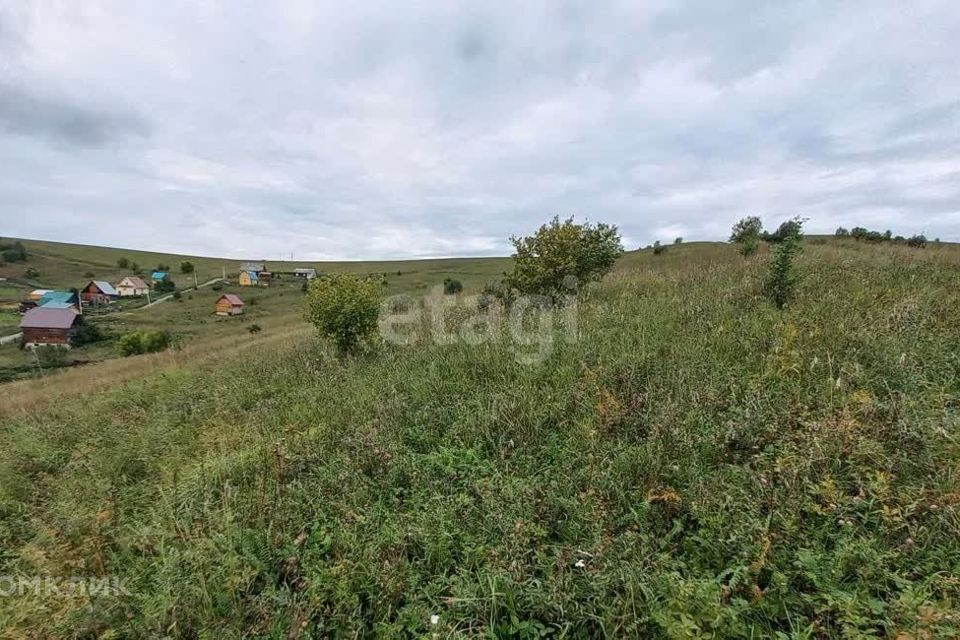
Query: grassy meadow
point(695, 464)
point(191, 319)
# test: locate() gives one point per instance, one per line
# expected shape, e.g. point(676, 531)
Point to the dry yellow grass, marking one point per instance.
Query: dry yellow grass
point(26, 394)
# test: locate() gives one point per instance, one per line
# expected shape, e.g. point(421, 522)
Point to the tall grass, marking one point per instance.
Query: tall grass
point(696, 464)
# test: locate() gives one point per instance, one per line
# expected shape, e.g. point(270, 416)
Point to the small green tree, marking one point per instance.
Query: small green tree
point(135, 268)
point(142, 342)
point(918, 241)
point(561, 256)
point(123, 263)
point(186, 267)
point(344, 308)
point(658, 248)
point(783, 278)
point(452, 286)
point(678, 241)
point(746, 234)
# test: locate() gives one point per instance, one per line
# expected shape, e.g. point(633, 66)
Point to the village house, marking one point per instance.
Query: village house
point(132, 286)
point(44, 326)
point(254, 274)
point(309, 274)
point(159, 276)
point(249, 279)
point(98, 292)
point(229, 305)
point(60, 300)
point(36, 294)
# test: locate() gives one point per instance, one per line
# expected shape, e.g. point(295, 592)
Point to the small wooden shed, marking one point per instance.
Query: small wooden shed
point(229, 305)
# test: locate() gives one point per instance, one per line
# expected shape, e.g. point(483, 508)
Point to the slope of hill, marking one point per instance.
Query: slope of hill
point(59, 265)
point(694, 463)
point(63, 265)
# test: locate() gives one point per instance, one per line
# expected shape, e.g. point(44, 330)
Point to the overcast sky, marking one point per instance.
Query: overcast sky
point(405, 129)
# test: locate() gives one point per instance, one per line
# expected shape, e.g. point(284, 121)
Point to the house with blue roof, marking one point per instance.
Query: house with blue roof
point(160, 276)
point(59, 300)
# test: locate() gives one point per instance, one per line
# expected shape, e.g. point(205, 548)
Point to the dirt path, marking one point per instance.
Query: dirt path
point(170, 295)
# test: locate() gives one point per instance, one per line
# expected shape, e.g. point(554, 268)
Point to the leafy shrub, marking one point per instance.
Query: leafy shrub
point(139, 342)
point(746, 234)
point(783, 278)
point(658, 248)
point(87, 333)
point(344, 308)
point(123, 263)
point(217, 286)
point(135, 268)
point(917, 241)
point(788, 229)
point(51, 356)
point(841, 232)
point(186, 267)
point(31, 273)
point(162, 267)
point(177, 295)
point(452, 286)
point(164, 286)
point(254, 328)
point(560, 256)
point(678, 240)
point(15, 252)
point(497, 291)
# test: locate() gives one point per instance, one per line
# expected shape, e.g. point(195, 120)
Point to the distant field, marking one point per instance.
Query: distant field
point(63, 266)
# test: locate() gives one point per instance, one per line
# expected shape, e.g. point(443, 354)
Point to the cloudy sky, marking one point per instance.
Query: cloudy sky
point(403, 129)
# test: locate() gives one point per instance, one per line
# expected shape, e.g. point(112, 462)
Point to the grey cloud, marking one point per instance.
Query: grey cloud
point(360, 131)
point(31, 114)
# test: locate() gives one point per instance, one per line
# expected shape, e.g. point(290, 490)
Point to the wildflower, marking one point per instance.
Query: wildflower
point(581, 564)
point(434, 619)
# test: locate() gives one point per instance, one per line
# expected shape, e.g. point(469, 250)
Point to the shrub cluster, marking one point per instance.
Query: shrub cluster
point(164, 286)
point(344, 308)
point(452, 286)
point(13, 252)
point(862, 234)
point(142, 342)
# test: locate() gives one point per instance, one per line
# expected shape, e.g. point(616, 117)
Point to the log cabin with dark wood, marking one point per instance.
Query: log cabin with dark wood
point(42, 326)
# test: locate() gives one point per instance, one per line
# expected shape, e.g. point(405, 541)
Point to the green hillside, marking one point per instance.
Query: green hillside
point(695, 463)
point(63, 266)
